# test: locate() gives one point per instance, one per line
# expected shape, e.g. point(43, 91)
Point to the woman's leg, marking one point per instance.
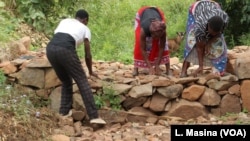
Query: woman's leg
point(135, 72)
point(66, 92)
point(167, 68)
point(75, 69)
point(185, 66)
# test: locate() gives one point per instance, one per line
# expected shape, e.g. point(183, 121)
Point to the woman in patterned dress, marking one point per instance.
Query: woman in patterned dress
point(205, 44)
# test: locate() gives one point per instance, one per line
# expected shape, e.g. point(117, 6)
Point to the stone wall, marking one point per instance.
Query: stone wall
point(187, 98)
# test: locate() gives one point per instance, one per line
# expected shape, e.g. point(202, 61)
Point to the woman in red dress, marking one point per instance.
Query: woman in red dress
point(150, 48)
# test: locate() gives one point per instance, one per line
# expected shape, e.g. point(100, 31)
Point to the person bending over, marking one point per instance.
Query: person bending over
point(150, 48)
point(61, 53)
point(205, 44)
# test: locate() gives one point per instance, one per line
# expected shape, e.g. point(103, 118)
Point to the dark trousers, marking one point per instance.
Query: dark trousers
point(67, 65)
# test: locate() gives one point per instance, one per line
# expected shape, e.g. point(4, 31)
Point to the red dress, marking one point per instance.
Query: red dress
point(152, 45)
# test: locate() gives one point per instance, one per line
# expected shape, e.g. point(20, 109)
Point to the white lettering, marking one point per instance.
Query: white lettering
point(191, 132)
point(240, 133)
point(176, 134)
point(225, 132)
point(232, 132)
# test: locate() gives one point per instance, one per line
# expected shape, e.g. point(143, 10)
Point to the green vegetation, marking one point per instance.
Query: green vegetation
point(108, 98)
point(7, 24)
point(236, 116)
point(244, 39)
point(2, 79)
point(112, 21)
point(20, 103)
point(27, 110)
point(238, 27)
point(112, 25)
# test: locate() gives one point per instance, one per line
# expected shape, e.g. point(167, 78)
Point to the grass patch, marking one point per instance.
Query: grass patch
point(112, 25)
point(8, 24)
point(108, 97)
point(23, 114)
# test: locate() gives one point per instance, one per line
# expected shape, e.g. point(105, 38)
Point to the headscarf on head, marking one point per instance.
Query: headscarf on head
point(157, 28)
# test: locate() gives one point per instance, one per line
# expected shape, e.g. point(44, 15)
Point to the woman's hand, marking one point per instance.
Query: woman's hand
point(151, 70)
point(207, 49)
point(157, 70)
point(197, 71)
point(95, 75)
point(200, 48)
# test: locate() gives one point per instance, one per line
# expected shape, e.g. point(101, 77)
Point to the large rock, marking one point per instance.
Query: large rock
point(34, 77)
point(51, 79)
point(26, 41)
point(210, 98)
point(230, 104)
point(158, 102)
point(242, 68)
point(9, 68)
point(171, 92)
point(60, 137)
point(39, 63)
point(55, 99)
point(245, 94)
point(220, 85)
point(193, 92)
point(187, 110)
point(131, 102)
point(121, 88)
point(142, 90)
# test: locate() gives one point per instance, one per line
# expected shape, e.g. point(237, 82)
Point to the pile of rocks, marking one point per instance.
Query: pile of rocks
point(150, 104)
point(158, 96)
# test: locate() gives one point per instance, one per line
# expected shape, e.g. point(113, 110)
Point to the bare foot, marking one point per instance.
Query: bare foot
point(197, 71)
point(183, 75)
point(169, 72)
point(135, 72)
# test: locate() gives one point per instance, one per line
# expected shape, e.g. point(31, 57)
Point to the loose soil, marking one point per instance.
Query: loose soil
point(12, 128)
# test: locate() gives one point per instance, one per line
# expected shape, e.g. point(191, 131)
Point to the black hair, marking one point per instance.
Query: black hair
point(82, 14)
point(216, 23)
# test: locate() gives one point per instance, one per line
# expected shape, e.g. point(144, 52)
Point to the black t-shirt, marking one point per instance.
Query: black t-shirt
point(147, 16)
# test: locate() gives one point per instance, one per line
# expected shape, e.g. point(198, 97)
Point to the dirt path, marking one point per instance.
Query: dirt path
point(48, 126)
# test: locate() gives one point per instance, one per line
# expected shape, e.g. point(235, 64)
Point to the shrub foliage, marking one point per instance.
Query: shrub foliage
point(112, 21)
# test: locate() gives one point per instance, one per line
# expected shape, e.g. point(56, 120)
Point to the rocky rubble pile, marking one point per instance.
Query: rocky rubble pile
point(145, 98)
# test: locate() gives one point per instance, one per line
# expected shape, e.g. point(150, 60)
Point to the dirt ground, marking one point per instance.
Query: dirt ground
point(22, 129)
point(14, 128)
point(39, 129)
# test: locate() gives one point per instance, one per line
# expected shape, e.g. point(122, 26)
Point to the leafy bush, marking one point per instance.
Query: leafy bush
point(112, 21)
point(108, 98)
point(244, 39)
point(2, 78)
point(43, 15)
point(239, 20)
point(7, 24)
